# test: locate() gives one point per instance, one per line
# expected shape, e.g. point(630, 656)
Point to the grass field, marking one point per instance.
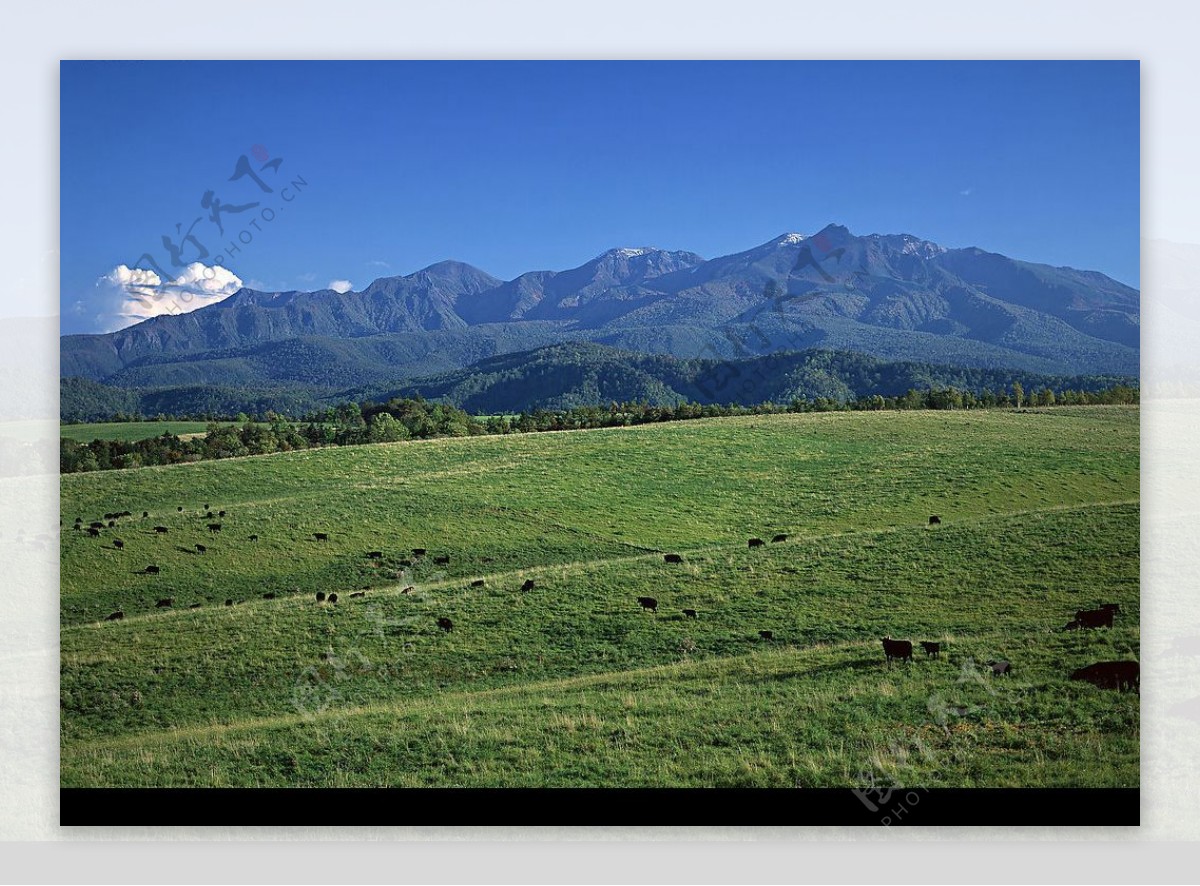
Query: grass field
point(131, 430)
point(572, 683)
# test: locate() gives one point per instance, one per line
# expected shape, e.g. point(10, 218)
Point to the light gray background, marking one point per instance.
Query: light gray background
point(1162, 35)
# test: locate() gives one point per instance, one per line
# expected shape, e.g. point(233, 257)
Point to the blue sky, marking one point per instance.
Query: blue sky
point(517, 166)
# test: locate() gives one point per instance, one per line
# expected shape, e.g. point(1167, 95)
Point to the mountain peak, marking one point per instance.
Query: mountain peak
point(627, 252)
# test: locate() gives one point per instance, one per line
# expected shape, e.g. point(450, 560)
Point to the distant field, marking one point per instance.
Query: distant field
point(573, 683)
point(131, 430)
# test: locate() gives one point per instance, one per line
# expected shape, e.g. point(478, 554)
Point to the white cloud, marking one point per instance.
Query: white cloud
point(130, 295)
point(376, 263)
point(965, 192)
point(307, 278)
point(340, 285)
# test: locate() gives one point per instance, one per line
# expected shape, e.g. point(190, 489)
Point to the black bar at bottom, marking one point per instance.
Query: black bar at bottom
point(599, 806)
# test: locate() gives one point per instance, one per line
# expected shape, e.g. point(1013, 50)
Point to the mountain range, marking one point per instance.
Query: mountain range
point(894, 297)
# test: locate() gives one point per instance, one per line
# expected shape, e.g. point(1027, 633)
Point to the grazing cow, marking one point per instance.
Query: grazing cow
point(320, 596)
point(229, 602)
point(93, 532)
point(201, 549)
point(194, 606)
point(528, 585)
point(766, 635)
point(152, 570)
point(358, 594)
point(1119, 675)
point(478, 583)
point(254, 538)
point(333, 598)
point(442, 560)
point(79, 519)
point(116, 616)
point(321, 536)
point(901, 649)
point(220, 513)
point(145, 514)
point(672, 558)
point(208, 515)
point(689, 613)
point(118, 544)
point(445, 624)
point(756, 542)
point(269, 595)
point(935, 520)
point(112, 524)
point(648, 603)
point(418, 552)
point(161, 530)
point(407, 590)
point(934, 650)
point(779, 538)
point(96, 525)
point(1094, 618)
point(206, 507)
point(164, 603)
point(180, 509)
point(214, 528)
point(374, 555)
point(1000, 668)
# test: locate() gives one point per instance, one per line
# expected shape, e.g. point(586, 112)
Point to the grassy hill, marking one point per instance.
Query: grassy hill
point(571, 682)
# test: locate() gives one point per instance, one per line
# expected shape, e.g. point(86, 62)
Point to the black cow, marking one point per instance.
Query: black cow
point(201, 549)
point(689, 613)
point(766, 635)
point(79, 519)
point(152, 570)
point(220, 513)
point(672, 558)
point(254, 538)
point(214, 528)
point(206, 507)
point(320, 596)
point(780, 537)
point(374, 555)
point(442, 560)
point(93, 532)
point(269, 595)
point(935, 520)
point(445, 624)
point(419, 552)
point(933, 650)
point(358, 594)
point(1095, 618)
point(407, 590)
point(1115, 607)
point(478, 583)
point(333, 598)
point(161, 530)
point(145, 514)
point(901, 649)
point(112, 524)
point(1000, 668)
point(116, 616)
point(208, 515)
point(321, 536)
point(118, 544)
point(163, 604)
point(648, 603)
point(96, 525)
point(756, 542)
point(180, 509)
point(528, 585)
point(229, 602)
point(1119, 675)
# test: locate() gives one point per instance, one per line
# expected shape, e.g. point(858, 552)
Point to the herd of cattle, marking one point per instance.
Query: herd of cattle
point(1119, 675)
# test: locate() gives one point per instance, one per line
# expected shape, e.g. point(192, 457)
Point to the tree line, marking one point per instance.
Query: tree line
point(352, 424)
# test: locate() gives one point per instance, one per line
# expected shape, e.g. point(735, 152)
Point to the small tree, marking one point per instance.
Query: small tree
point(1018, 393)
